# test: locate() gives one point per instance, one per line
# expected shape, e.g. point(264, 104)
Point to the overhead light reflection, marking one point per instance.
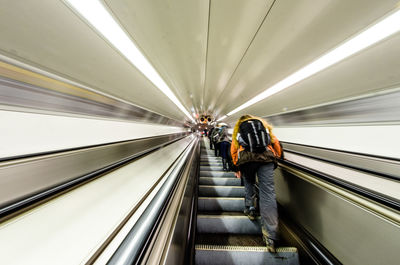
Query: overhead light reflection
point(373, 34)
point(97, 15)
point(223, 117)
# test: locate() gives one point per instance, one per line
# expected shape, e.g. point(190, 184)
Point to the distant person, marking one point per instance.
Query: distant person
point(254, 150)
point(209, 137)
point(214, 139)
point(224, 144)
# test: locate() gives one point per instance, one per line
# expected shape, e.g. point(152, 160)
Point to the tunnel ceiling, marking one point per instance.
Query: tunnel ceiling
point(214, 55)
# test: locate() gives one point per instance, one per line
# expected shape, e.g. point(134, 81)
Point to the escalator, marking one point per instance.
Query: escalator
point(224, 234)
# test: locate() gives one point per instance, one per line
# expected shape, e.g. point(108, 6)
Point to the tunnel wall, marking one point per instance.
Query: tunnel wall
point(25, 133)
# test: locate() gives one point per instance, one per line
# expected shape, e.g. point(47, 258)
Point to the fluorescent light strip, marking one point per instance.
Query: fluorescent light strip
point(368, 37)
point(223, 117)
point(96, 14)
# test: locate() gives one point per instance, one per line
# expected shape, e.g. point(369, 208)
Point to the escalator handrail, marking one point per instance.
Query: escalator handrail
point(134, 245)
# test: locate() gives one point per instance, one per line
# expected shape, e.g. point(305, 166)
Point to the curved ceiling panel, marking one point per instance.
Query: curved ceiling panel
point(173, 35)
point(293, 35)
point(214, 54)
point(49, 35)
point(375, 69)
point(230, 34)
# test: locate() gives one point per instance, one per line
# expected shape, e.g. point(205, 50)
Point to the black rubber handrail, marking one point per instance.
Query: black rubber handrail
point(191, 237)
point(134, 246)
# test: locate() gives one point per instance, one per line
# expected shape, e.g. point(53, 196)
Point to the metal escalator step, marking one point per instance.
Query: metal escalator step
point(219, 181)
point(216, 163)
point(210, 162)
point(207, 153)
point(230, 240)
point(207, 156)
point(204, 155)
point(218, 166)
point(227, 224)
point(218, 174)
point(211, 168)
point(221, 191)
point(220, 204)
point(210, 159)
point(240, 255)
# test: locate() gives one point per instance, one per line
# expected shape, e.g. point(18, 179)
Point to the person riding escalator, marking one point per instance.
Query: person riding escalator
point(224, 145)
point(254, 150)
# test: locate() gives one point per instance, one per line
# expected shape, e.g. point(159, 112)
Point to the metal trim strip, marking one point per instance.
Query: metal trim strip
point(56, 96)
point(389, 168)
point(380, 107)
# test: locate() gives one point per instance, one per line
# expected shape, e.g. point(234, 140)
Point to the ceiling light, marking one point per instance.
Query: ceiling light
point(97, 15)
point(373, 34)
point(223, 117)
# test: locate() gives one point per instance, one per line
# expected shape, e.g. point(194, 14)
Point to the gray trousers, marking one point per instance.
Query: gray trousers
point(267, 197)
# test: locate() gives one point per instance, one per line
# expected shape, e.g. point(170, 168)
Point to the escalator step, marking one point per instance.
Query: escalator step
point(207, 153)
point(221, 191)
point(210, 164)
point(218, 174)
point(210, 159)
point(227, 224)
point(230, 240)
point(211, 168)
point(220, 204)
point(219, 181)
point(238, 255)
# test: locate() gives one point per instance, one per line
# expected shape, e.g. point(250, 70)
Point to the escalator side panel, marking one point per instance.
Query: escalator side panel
point(351, 233)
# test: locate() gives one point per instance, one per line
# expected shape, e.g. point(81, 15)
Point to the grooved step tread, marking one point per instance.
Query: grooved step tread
point(229, 240)
point(219, 174)
point(219, 181)
point(218, 204)
point(223, 224)
point(222, 186)
point(211, 168)
point(244, 255)
point(244, 248)
point(221, 191)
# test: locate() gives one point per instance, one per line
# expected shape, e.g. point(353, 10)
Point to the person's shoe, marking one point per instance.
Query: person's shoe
point(270, 244)
point(250, 212)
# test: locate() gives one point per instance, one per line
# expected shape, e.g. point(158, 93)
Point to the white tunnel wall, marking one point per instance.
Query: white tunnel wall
point(366, 124)
point(28, 133)
point(375, 140)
